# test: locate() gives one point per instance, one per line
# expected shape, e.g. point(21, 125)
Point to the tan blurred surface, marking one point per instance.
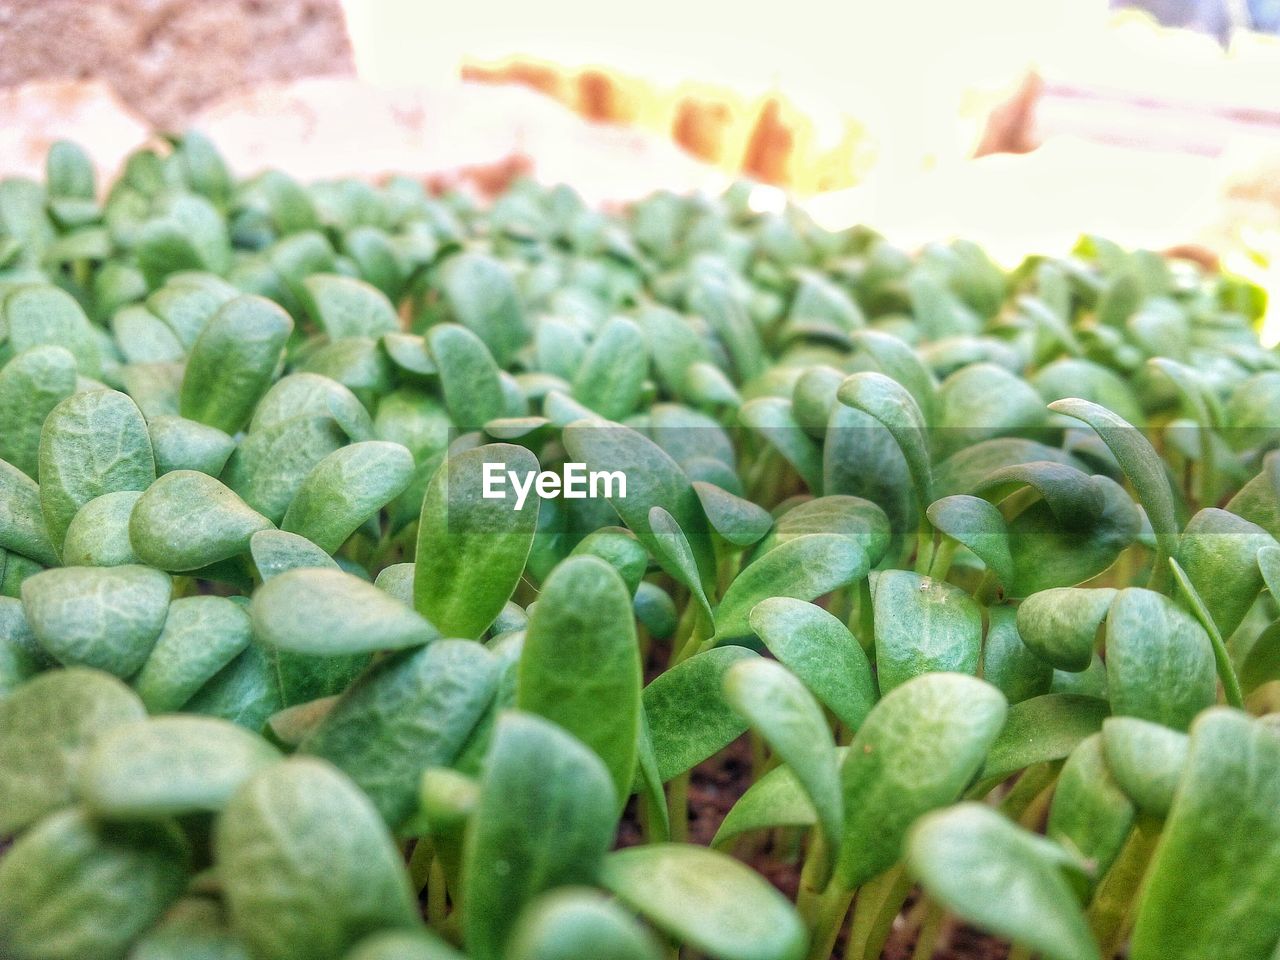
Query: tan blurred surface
point(168, 58)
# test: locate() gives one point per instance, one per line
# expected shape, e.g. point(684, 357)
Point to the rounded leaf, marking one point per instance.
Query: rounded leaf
point(472, 548)
point(103, 617)
point(821, 651)
point(405, 713)
point(187, 520)
point(47, 727)
point(1060, 625)
point(328, 612)
point(201, 635)
point(707, 900)
point(233, 361)
point(345, 489)
point(307, 867)
point(92, 443)
point(1002, 878)
point(99, 532)
point(580, 651)
point(170, 766)
point(73, 887)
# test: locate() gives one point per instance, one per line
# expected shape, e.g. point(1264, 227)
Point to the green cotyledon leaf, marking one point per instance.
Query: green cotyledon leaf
point(31, 385)
point(1091, 814)
point(1041, 729)
point(978, 525)
point(201, 635)
point(1146, 759)
point(269, 465)
point(1060, 625)
point(653, 478)
point(345, 489)
point(853, 517)
point(689, 719)
point(187, 520)
point(471, 548)
point(324, 612)
point(23, 528)
point(922, 625)
point(1141, 464)
point(307, 866)
point(479, 292)
point(580, 651)
point(821, 652)
point(310, 394)
point(407, 712)
point(1219, 553)
point(347, 307)
point(103, 617)
point(40, 314)
point(621, 549)
point(1052, 550)
point(578, 922)
point(469, 377)
point(805, 568)
point(777, 706)
point(893, 405)
point(1002, 878)
point(170, 766)
point(1008, 663)
point(739, 521)
point(545, 818)
point(98, 535)
point(47, 727)
point(611, 376)
point(707, 900)
point(916, 751)
point(1160, 664)
point(233, 361)
point(403, 945)
point(275, 551)
point(76, 887)
point(981, 401)
point(775, 420)
point(92, 443)
point(1209, 887)
point(674, 553)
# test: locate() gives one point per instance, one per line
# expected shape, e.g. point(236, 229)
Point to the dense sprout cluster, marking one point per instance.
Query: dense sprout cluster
point(982, 561)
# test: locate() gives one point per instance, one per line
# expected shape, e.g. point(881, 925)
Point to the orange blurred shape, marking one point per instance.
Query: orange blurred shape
point(767, 157)
point(702, 127)
point(526, 73)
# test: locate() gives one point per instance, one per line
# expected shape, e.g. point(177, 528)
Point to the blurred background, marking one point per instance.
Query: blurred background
point(1017, 123)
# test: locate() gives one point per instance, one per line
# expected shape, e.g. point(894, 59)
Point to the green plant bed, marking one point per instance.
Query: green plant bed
point(941, 595)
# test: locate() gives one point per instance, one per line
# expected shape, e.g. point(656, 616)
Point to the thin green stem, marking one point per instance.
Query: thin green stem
point(940, 565)
point(985, 591)
point(930, 929)
point(1226, 672)
point(879, 903)
point(420, 863)
point(678, 805)
point(832, 908)
point(1109, 913)
point(924, 545)
point(813, 878)
point(437, 893)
